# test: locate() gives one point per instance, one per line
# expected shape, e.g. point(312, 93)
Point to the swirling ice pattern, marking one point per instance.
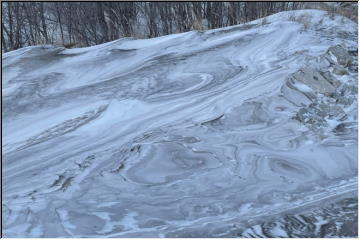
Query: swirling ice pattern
point(184, 135)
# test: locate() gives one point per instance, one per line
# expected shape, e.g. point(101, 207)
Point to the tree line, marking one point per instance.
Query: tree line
point(90, 23)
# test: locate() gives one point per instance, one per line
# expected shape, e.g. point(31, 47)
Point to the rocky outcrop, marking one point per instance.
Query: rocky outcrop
point(302, 87)
point(339, 55)
point(320, 95)
point(314, 80)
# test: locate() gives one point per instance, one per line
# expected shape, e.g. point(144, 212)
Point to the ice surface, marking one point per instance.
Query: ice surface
point(202, 134)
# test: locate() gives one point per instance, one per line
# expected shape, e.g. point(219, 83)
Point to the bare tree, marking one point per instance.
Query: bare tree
point(89, 23)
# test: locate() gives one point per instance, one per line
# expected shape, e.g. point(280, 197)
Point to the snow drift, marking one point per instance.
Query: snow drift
point(198, 134)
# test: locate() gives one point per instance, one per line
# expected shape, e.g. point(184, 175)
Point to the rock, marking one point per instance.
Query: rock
point(294, 95)
point(341, 54)
point(331, 79)
point(314, 80)
point(344, 128)
point(247, 113)
point(346, 94)
point(311, 116)
point(339, 70)
point(353, 52)
point(332, 111)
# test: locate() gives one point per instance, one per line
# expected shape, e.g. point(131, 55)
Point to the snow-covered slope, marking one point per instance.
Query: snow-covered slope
point(199, 134)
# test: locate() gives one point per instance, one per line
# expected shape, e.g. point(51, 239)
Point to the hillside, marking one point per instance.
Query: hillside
point(248, 130)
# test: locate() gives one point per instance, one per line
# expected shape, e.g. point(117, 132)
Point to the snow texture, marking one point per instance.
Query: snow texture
point(202, 134)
